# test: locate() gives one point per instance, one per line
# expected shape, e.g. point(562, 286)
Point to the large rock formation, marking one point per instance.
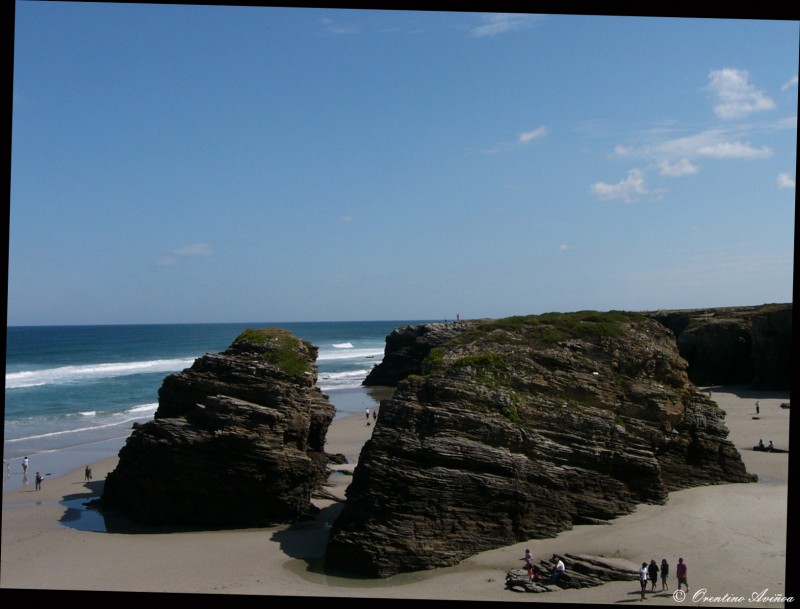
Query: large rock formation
point(734, 345)
point(237, 439)
point(518, 428)
point(407, 347)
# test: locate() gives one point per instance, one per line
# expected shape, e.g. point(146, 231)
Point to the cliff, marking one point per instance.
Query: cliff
point(237, 440)
point(748, 345)
point(734, 345)
point(519, 428)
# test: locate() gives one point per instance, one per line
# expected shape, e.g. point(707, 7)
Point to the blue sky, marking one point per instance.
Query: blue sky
point(178, 163)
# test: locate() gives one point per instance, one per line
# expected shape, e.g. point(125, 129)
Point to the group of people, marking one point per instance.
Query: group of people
point(535, 574)
point(37, 479)
point(374, 415)
point(650, 574)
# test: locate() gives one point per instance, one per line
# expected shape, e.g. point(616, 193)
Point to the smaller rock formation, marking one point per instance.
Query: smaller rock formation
point(581, 571)
point(237, 440)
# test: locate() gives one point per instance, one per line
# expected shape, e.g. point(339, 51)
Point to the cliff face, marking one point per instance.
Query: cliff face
point(519, 428)
point(734, 345)
point(722, 346)
point(237, 439)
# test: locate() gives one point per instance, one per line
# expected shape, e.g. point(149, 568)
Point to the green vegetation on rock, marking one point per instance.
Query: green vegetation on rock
point(282, 349)
point(556, 327)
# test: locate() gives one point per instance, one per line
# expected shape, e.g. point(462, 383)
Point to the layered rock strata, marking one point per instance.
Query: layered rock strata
point(519, 428)
point(237, 440)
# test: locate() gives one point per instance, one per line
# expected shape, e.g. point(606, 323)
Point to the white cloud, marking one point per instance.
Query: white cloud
point(735, 96)
point(535, 134)
point(193, 249)
point(785, 181)
point(714, 143)
point(500, 23)
point(683, 167)
point(626, 189)
point(329, 25)
point(563, 247)
point(792, 82)
point(734, 150)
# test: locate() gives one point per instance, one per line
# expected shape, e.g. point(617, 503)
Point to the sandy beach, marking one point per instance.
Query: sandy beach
point(732, 537)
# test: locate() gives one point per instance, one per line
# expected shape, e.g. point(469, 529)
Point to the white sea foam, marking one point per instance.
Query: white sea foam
point(343, 345)
point(143, 408)
point(350, 354)
point(115, 422)
point(342, 380)
point(72, 374)
point(88, 413)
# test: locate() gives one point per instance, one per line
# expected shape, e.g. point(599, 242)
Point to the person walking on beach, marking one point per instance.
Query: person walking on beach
point(87, 473)
point(366, 412)
point(643, 575)
point(528, 558)
point(25, 470)
point(39, 481)
point(375, 415)
point(664, 574)
point(681, 573)
point(652, 572)
point(758, 408)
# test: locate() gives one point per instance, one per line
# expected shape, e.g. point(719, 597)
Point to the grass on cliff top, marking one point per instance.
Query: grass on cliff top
point(284, 349)
point(551, 328)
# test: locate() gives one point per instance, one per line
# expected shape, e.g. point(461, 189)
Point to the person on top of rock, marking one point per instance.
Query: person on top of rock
point(528, 558)
point(558, 570)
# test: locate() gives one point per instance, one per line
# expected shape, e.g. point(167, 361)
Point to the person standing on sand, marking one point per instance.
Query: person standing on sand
point(87, 473)
point(664, 574)
point(758, 408)
point(652, 571)
point(681, 573)
point(643, 575)
point(39, 481)
point(366, 412)
point(25, 470)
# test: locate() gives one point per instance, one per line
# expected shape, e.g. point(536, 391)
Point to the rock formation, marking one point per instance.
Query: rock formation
point(582, 571)
point(518, 428)
point(734, 345)
point(237, 440)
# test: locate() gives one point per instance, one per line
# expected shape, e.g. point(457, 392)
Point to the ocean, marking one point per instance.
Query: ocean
point(73, 392)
